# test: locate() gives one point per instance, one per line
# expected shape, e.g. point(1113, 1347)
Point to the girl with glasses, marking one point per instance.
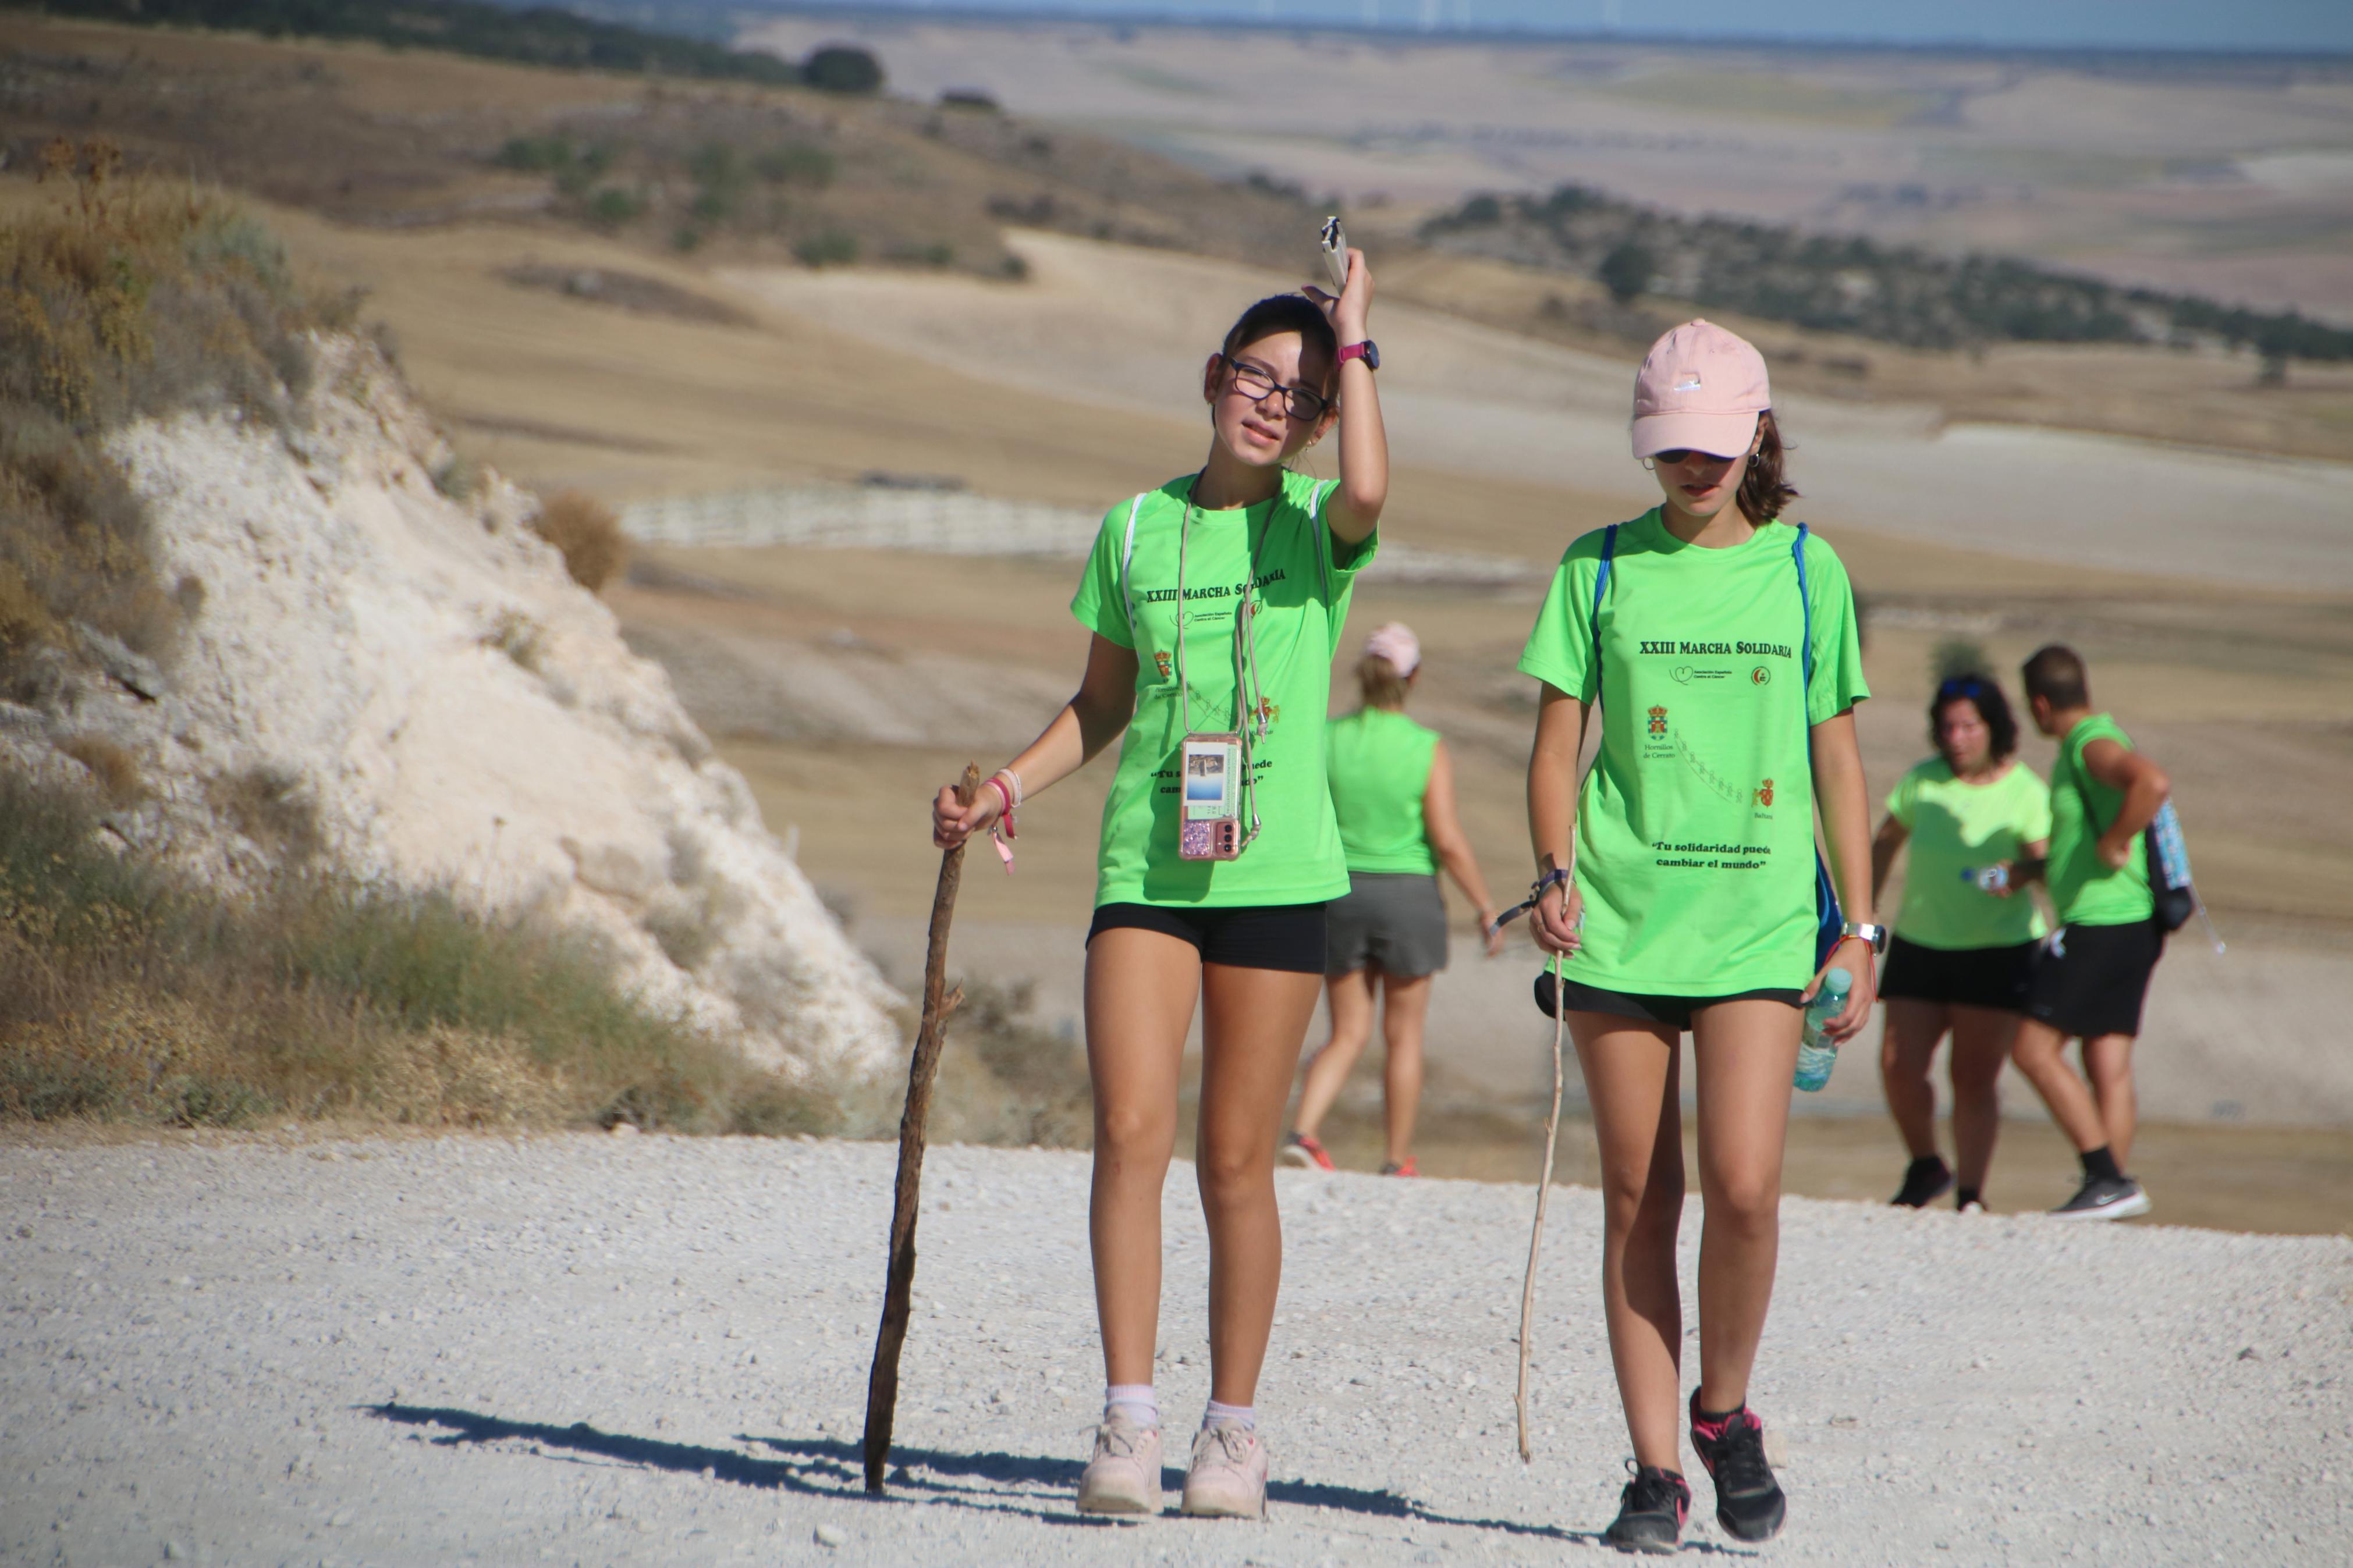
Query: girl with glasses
point(1216, 602)
point(1964, 949)
point(1678, 888)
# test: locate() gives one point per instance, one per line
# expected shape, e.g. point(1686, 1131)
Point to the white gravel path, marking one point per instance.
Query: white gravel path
point(595, 1349)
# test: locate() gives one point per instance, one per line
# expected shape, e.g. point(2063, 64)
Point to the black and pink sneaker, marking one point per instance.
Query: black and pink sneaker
point(1651, 1510)
point(1748, 1500)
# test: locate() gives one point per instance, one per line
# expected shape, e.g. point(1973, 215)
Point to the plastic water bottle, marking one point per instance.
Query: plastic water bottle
point(1985, 878)
point(1816, 1054)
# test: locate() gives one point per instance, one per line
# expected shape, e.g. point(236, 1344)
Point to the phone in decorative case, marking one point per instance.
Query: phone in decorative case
point(1335, 241)
point(1211, 825)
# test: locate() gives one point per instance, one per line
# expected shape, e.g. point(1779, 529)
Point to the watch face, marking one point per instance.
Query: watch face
point(1372, 354)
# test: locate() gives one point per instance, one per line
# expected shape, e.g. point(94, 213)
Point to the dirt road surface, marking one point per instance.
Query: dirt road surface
point(598, 1350)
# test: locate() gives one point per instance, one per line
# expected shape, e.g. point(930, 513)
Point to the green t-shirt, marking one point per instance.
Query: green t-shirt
point(1379, 760)
point(1696, 828)
point(1301, 579)
point(1958, 827)
point(2082, 888)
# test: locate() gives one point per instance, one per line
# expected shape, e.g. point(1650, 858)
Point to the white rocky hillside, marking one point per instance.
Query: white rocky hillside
point(411, 688)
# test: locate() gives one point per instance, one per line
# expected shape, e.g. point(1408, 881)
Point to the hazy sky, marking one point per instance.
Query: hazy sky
point(2143, 24)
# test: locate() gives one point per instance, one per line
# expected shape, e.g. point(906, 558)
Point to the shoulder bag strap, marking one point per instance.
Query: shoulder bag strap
point(1127, 563)
point(1600, 587)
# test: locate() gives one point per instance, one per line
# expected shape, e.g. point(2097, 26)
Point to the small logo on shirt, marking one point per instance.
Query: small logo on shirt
point(1682, 674)
point(1658, 721)
point(1760, 676)
point(1764, 793)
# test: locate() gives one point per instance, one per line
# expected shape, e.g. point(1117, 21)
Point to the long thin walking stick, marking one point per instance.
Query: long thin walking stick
point(1544, 1190)
point(898, 1290)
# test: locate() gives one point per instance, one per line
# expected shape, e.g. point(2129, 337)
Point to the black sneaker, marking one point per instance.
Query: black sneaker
point(1748, 1500)
point(2105, 1197)
point(1925, 1180)
point(1651, 1510)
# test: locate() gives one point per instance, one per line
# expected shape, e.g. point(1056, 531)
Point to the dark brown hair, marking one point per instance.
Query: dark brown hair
point(1287, 313)
point(1766, 489)
point(2055, 673)
point(1383, 686)
point(1980, 692)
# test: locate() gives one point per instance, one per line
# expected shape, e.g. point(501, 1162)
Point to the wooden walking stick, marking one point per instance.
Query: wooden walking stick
point(1544, 1190)
point(898, 1290)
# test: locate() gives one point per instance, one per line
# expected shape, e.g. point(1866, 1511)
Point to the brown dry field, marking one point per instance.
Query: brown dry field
point(2246, 693)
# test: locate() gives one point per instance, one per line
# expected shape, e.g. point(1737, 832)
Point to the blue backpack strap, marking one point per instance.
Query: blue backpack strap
point(1600, 586)
point(1829, 918)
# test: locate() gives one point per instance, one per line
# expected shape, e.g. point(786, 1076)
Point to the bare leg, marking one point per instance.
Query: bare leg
point(1906, 1051)
point(2040, 1051)
point(1632, 1072)
point(1139, 1001)
point(1981, 1037)
point(1405, 1006)
point(1253, 1023)
point(1351, 1025)
point(1744, 1053)
point(2108, 1061)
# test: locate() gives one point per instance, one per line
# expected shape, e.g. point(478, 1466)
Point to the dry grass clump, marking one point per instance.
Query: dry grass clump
point(119, 300)
point(588, 534)
point(128, 993)
point(1005, 1080)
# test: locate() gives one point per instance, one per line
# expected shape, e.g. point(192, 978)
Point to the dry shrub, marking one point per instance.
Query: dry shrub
point(585, 529)
point(113, 768)
point(1005, 1080)
point(119, 300)
point(130, 994)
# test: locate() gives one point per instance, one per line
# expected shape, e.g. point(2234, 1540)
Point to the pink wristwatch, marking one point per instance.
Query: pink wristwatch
point(1366, 350)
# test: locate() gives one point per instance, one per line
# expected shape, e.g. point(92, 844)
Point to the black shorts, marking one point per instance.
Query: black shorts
point(1674, 1011)
point(1394, 921)
point(1970, 977)
point(1246, 936)
point(2091, 981)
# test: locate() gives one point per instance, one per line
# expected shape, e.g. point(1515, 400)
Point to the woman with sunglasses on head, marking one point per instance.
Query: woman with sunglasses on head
point(1216, 604)
point(1963, 949)
point(1678, 886)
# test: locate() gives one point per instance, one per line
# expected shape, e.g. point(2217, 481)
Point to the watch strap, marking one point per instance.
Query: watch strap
point(1364, 351)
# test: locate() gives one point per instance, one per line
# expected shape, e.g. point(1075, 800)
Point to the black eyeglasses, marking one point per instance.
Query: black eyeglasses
point(1678, 455)
point(1257, 382)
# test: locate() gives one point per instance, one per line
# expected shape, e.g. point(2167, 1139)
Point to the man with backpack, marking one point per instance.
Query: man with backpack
point(2091, 978)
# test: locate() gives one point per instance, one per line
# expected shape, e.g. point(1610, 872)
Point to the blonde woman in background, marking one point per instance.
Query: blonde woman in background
point(1393, 790)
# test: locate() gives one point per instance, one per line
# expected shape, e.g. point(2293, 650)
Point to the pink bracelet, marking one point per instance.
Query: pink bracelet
point(1002, 832)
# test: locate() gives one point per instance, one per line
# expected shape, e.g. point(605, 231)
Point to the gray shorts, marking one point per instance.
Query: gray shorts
point(1390, 921)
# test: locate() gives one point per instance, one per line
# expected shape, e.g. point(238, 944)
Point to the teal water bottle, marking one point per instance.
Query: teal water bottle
point(1816, 1054)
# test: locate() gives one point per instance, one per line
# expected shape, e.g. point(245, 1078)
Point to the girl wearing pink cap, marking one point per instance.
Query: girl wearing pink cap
point(1393, 791)
point(1681, 889)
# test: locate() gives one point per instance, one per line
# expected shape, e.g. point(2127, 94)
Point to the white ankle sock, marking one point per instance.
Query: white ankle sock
point(1243, 1416)
point(1134, 1400)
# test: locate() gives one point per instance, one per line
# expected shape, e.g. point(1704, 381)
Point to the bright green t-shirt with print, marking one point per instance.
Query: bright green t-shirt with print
point(1285, 557)
point(2084, 889)
point(1696, 828)
point(1958, 828)
point(1378, 761)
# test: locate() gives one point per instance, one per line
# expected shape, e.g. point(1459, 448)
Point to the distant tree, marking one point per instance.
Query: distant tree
point(1627, 270)
point(842, 68)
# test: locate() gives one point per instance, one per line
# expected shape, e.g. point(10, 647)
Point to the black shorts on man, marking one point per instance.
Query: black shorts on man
point(1993, 977)
point(1288, 937)
point(2091, 981)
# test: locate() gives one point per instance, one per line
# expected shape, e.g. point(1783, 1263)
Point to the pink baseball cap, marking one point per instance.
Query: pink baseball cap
point(1397, 643)
point(1701, 388)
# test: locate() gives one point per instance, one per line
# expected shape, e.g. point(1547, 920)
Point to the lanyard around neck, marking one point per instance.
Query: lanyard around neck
point(1247, 688)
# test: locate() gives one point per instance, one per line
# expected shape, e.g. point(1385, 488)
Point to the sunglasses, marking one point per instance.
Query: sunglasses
point(1678, 455)
point(1967, 686)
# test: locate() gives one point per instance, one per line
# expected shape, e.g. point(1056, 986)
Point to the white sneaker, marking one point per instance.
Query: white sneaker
point(1228, 1477)
point(1124, 1477)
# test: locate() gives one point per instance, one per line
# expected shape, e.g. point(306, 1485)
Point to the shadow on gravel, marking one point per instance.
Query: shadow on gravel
point(1026, 1485)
